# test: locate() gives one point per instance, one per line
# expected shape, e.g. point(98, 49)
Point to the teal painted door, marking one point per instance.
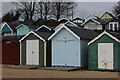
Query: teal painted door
point(105, 55)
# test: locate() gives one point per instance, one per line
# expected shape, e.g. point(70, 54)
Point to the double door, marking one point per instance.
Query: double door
point(65, 53)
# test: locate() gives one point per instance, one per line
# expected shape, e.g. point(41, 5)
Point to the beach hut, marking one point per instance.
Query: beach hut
point(10, 50)
point(94, 24)
point(104, 52)
point(5, 29)
point(69, 46)
point(35, 49)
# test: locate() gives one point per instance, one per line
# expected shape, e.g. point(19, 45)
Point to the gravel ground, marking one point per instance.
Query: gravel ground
point(39, 73)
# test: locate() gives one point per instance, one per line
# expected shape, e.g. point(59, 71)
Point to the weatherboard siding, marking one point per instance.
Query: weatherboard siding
point(118, 57)
point(22, 30)
point(93, 53)
point(106, 16)
point(41, 49)
point(6, 29)
point(65, 35)
point(84, 53)
point(95, 27)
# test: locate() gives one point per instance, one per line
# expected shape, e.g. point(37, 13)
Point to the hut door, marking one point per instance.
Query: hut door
point(72, 56)
point(105, 55)
point(59, 55)
point(32, 52)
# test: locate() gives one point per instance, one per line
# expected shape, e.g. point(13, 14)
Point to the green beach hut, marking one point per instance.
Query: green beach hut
point(104, 52)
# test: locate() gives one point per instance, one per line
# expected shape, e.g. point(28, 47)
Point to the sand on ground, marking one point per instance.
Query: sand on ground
point(39, 73)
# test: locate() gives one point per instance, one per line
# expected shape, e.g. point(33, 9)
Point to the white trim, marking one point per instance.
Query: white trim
point(100, 35)
point(43, 26)
point(71, 23)
point(7, 25)
point(28, 49)
point(78, 17)
point(20, 54)
point(89, 20)
point(45, 53)
point(63, 26)
point(57, 26)
point(110, 26)
point(32, 33)
point(113, 27)
point(22, 25)
point(62, 19)
point(78, 21)
point(51, 19)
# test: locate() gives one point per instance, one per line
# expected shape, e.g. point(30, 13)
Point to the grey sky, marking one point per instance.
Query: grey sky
point(83, 9)
point(93, 8)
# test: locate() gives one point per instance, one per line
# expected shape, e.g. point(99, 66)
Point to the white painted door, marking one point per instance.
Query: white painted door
point(32, 52)
point(105, 55)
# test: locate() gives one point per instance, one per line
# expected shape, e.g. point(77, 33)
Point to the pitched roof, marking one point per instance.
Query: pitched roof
point(77, 18)
point(83, 33)
point(62, 20)
point(92, 16)
point(13, 25)
point(108, 14)
point(79, 33)
point(113, 20)
point(101, 21)
point(28, 25)
point(70, 24)
point(3, 25)
point(52, 27)
point(47, 27)
point(113, 35)
point(44, 35)
point(32, 26)
point(98, 21)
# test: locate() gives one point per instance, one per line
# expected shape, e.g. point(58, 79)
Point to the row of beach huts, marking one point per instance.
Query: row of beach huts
point(92, 43)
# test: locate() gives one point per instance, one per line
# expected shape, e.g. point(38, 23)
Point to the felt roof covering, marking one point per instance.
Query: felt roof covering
point(44, 35)
point(101, 21)
point(78, 32)
point(98, 21)
point(13, 25)
point(83, 33)
point(115, 34)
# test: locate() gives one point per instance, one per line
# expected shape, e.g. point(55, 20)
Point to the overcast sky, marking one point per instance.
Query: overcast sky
point(83, 9)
